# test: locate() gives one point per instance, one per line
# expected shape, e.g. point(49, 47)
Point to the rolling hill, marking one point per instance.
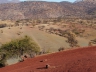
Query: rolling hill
point(42, 9)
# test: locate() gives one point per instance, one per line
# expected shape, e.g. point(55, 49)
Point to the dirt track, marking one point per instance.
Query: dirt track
point(78, 60)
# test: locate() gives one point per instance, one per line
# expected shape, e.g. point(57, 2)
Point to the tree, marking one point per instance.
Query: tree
point(18, 47)
point(72, 39)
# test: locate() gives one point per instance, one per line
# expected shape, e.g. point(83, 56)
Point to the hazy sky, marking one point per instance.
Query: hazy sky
point(53, 0)
point(6, 1)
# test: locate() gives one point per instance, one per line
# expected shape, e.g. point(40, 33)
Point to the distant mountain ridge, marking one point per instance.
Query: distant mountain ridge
point(39, 9)
point(85, 0)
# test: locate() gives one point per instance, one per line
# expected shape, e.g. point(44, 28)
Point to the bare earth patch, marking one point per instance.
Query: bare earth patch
point(77, 60)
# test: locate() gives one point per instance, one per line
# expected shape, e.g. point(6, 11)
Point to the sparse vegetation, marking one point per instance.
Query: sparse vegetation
point(51, 25)
point(17, 48)
point(2, 25)
point(1, 31)
point(72, 39)
point(92, 42)
point(61, 49)
point(69, 28)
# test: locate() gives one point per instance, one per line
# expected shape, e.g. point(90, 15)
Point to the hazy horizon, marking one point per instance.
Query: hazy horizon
point(51, 0)
point(7, 1)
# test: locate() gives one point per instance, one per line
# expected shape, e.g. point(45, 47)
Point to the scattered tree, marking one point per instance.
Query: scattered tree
point(18, 47)
point(72, 39)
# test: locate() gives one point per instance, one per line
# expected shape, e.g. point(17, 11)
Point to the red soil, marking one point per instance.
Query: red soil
point(77, 60)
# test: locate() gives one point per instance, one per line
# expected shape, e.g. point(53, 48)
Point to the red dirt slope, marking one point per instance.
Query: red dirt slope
point(78, 60)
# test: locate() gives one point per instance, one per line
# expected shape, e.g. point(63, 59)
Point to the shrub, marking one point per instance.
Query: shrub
point(20, 27)
point(61, 49)
point(2, 59)
point(71, 39)
point(18, 47)
point(2, 25)
point(1, 31)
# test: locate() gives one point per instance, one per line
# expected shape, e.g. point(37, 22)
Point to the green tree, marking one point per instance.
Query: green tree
point(18, 47)
point(72, 39)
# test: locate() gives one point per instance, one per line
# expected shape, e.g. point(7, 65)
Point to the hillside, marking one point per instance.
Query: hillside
point(41, 9)
point(65, 30)
point(78, 60)
point(47, 42)
point(86, 0)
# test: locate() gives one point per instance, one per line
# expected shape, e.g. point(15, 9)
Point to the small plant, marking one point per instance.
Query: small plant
point(90, 44)
point(9, 28)
point(48, 51)
point(1, 31)
point(20, 27)
point(61, 49)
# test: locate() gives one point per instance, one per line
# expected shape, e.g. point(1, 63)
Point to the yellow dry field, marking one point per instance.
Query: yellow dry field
point(47, 42)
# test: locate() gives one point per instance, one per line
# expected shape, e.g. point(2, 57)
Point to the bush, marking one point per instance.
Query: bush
point(1, 31)
point(2, 59)
point(18, 47)
point(2, 25)
point(72, 39)
point(61, 49)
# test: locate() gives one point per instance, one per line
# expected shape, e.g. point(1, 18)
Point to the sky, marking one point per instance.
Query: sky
point(6, 1)
point(52, 0)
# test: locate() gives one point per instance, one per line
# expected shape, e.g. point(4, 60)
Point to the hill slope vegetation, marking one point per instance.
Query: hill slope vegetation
point(38, 9)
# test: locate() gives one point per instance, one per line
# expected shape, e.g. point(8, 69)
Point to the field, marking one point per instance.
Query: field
point(49, 36)
point(47, 41)
point(44, 36)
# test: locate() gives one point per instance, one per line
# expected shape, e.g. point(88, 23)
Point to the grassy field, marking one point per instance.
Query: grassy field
point(47, 42)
